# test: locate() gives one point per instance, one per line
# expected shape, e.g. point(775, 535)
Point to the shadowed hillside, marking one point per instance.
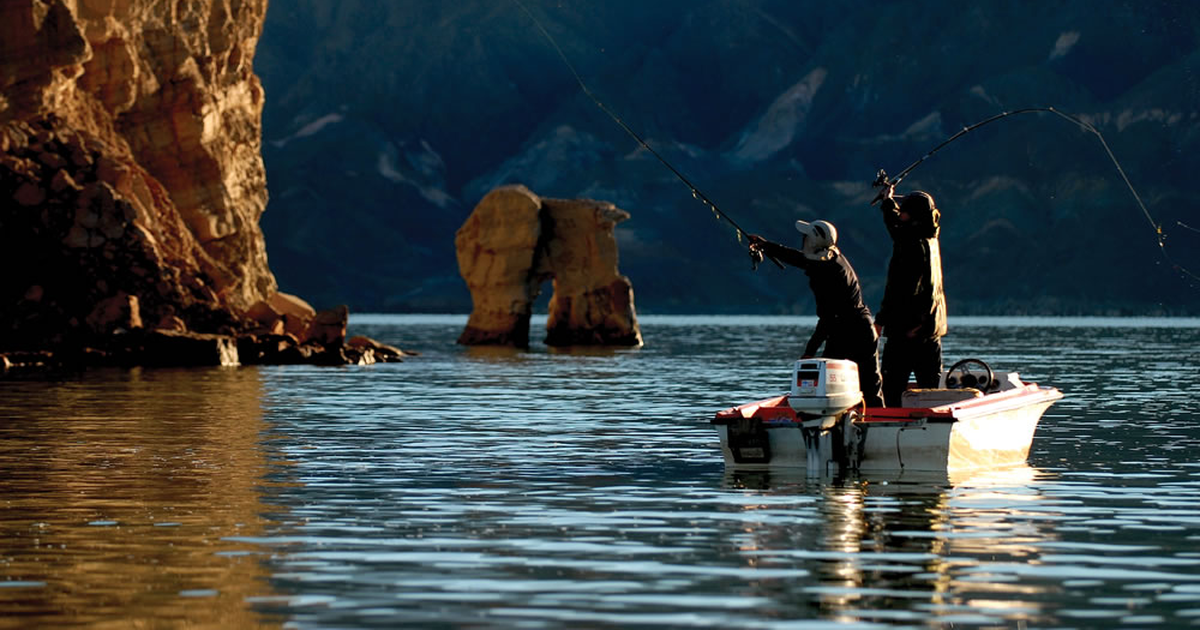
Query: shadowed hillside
point(385, 123)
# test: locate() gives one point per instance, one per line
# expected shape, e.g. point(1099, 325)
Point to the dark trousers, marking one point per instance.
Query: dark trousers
point(903, 356)
point(860, 347)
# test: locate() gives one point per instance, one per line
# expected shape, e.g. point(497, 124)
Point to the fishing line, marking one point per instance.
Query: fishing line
point(611, 114)
point(882, 179)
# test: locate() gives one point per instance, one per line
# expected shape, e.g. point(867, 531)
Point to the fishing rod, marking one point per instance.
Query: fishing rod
point(755, 254)
point(883, 182)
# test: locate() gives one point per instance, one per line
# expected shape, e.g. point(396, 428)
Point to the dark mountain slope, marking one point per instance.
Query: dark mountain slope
point(386, 122)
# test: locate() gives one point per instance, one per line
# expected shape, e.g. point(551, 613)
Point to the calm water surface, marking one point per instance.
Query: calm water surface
point(470, 488)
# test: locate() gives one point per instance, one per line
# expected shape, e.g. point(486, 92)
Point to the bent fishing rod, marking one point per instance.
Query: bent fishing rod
point(884, 182)
point(756, 255)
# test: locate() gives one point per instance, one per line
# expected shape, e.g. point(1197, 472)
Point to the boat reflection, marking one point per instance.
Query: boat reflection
point(909, 547)
point(119, 490)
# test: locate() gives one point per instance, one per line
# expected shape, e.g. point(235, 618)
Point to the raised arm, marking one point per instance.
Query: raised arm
point(890, 209)
point(782, 253)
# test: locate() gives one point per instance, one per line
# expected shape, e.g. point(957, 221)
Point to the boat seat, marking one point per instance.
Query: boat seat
point(937, 397)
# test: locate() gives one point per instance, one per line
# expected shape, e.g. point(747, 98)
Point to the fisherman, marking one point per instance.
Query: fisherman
point(843, 320)
point(912, 315)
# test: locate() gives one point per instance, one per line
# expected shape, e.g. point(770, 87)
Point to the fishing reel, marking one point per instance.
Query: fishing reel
point(881, 181)
point(756, 252)
point(756, 257)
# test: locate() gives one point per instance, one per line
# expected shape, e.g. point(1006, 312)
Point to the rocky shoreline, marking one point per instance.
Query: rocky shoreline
point(159, 348)
point(324, 343)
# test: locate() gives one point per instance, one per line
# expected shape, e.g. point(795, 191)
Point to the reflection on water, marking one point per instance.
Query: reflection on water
point(472, 487)
point(118, 492)
point(908, 547)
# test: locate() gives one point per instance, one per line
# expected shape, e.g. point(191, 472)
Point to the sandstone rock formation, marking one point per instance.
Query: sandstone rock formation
point(131, 175)
point(514, 241)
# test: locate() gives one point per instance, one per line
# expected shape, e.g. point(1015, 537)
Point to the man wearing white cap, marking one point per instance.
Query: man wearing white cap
point(843, 321)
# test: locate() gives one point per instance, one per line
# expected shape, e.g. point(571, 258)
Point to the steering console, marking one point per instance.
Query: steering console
point(970, 373)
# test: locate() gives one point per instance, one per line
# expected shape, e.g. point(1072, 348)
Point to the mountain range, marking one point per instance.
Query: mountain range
point(385, 123)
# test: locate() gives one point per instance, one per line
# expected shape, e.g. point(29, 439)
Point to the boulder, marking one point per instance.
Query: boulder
point(296, 313)
point(344, 355)
point(166, 348)
point(328, 327)
point(382, 351)
point(272, 349)
point(262, 312)
point(514, 241)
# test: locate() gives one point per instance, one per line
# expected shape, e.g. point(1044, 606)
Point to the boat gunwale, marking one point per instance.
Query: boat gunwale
point(774, 412)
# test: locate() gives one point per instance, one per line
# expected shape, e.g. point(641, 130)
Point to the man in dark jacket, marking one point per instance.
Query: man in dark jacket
point(913, 314)
point(843, 320)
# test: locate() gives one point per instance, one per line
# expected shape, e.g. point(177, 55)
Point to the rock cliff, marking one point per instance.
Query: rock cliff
point(514, 241)
point(132, 176)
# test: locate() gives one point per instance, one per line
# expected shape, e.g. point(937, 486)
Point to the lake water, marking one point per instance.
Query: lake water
point(485, 488)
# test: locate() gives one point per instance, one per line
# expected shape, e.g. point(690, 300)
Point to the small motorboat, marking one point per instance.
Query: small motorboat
point(975, 419)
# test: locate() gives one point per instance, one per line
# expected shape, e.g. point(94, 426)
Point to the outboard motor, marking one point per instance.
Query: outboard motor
point(824, 395)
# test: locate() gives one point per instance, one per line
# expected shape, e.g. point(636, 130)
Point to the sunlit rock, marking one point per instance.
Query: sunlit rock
point(296, 313)
point(496, 249)
point(283, 313)
point(130, 141)
point(382, 351)
point(592, 303)
point(130, 160)
point(514, 241)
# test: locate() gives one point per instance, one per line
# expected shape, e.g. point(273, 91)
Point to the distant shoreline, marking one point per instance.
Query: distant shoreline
point(1036, 321)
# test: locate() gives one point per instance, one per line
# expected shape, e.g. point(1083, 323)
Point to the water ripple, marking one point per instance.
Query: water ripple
point(499, 488)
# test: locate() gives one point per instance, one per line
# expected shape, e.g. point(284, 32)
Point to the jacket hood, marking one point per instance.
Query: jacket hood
point(924, 217)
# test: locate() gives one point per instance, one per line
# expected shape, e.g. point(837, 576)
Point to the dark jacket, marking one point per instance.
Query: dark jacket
point(914, 302)
point(843, 319)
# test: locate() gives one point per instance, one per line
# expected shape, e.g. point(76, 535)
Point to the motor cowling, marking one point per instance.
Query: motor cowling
point(824, 395)
point(824, 387)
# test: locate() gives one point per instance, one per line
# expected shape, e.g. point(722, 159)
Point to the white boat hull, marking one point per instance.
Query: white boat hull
point(989, 431)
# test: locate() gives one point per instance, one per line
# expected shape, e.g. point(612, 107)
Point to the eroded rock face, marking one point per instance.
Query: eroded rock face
point(496, 249)
point(514, 241)
point(130, 165)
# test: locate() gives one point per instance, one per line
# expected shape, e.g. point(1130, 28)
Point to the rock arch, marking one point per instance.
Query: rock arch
point(514, 241)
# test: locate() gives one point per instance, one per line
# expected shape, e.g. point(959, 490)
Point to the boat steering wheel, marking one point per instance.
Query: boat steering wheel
point(960, 376)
